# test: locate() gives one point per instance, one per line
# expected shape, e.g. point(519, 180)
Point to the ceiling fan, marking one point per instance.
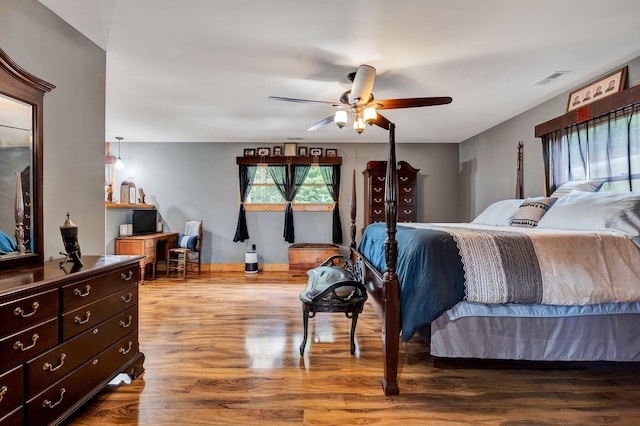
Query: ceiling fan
point(358, 105)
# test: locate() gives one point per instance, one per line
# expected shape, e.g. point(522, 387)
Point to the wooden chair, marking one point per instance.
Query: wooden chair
point(186, 257)
point(334, 286)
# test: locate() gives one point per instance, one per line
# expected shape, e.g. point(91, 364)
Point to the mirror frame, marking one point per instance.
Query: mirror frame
point(19, 84)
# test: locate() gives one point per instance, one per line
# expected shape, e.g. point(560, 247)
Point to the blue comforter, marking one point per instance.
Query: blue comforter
point(7, 245)
point(429, 270)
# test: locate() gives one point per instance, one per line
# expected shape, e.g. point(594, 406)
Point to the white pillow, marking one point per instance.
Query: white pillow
point(499, 213)
point(531, 211)
point(595, 211)
point(592, 185)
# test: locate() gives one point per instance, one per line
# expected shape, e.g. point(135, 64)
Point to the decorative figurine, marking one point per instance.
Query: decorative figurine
point(110, 193)
point(142, 195)
point(69, 231)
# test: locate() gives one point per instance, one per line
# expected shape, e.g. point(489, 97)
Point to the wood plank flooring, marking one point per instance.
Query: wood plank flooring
point(224, 349)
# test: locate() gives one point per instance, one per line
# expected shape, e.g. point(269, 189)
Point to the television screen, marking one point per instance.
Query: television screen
point(144, 221)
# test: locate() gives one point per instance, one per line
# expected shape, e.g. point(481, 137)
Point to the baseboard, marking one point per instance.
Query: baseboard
point(239, 267)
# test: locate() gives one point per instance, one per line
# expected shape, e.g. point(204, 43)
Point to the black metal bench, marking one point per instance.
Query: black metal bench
point(333, 287)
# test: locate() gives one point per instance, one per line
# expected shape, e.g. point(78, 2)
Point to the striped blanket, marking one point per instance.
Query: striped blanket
point(535, 266)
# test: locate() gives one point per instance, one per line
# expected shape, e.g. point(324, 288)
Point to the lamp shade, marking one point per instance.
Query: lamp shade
point(358, 124)
point(370, 115)
point(341, 118)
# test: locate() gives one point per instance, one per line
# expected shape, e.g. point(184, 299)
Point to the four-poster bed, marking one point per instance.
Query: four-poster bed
point(603, 328)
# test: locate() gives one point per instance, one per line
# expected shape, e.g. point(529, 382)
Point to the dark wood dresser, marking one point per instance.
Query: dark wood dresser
point(65, 334)
point(374, 182)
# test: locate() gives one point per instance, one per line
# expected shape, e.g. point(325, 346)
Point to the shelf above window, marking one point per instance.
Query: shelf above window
point(128, 206)
point(324, 161)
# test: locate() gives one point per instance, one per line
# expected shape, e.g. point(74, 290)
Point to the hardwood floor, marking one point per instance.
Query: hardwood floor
point(224, 349)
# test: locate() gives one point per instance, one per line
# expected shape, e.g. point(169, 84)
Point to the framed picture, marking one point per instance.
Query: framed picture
point(290, 149)
point(277, 151)
point(302, 151)
point(608, 85)
point(249, 152)
point(263, 151)
point(315, 152)
point(331, 152)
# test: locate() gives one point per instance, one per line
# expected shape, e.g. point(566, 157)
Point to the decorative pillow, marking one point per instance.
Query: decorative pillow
point(188, 241)
point(499, 213)
point(531, 211)
point(592, 185)
point(595, 211)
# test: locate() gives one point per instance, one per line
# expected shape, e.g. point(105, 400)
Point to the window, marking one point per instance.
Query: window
point(312, 196)
point(603, 148)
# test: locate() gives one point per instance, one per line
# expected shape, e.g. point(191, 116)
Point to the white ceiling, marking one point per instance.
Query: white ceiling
point(202, 70)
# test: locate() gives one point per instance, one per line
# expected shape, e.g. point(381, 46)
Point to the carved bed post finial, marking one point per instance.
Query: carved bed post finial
point(519, 176)
point(352, 229)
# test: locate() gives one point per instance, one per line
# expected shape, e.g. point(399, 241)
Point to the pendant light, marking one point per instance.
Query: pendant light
point(119, 162)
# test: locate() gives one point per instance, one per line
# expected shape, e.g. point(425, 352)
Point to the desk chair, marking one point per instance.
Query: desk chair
point(186, 256)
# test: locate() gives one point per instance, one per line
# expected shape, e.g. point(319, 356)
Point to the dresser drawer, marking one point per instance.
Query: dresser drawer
point(407, 214)
point(86, 317)
point(377, 199)
point(58, 400)
point(406, 200)
point(21, 346)
point(16, 418)
point(28, 311)
point(88, 291)
point(58, 362)
point(11, 390)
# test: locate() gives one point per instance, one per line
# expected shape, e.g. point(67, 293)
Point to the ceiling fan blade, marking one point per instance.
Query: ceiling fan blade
point(304, 101)
point(411, 102)
point(381, 121)
point(321, 123)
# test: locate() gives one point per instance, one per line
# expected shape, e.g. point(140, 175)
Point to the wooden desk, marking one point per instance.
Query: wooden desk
point(149, 246)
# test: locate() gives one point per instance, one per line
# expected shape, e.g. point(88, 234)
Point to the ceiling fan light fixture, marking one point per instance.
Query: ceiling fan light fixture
point(370, 115)
point(358, 124)
point(341, 118)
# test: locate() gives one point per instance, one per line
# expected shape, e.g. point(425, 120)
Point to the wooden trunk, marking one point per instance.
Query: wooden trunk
point(305, 256)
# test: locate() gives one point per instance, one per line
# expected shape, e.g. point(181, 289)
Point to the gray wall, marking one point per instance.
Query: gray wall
point(49, 48)
point(200, 181)
point(488, 160)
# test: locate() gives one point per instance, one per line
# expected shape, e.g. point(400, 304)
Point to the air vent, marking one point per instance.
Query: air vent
point(550, 77)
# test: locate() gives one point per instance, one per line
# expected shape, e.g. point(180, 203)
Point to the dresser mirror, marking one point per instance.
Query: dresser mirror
point(21, 217)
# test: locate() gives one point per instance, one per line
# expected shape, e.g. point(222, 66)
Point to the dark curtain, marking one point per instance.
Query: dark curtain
point(288, 179)
point(606, 147)
point(331, 177)
point(246, 175)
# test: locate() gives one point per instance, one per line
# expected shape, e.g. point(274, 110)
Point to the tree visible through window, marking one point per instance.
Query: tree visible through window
point(313, 195)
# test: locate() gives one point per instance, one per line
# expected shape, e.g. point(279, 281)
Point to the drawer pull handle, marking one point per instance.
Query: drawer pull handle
point(377, 200)
point(81, 321)
point(407, 190)
point(126, 277)
point(20, 312)
point(377, 211)
point(125, 325)
point(408, 211)
point(126, 299)
point(79, 292)
point(378, 189)
point(48, 404)
point(124, 351)
point(47, 366)
point(404, 178)
point(3, 390)
point(381, 178)
point(408, 200)
point(20, 346)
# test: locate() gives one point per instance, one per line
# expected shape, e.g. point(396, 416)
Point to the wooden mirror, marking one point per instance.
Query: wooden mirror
point(21, 217)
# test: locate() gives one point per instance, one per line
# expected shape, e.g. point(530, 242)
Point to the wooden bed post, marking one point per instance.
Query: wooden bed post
point(352, 229)
point(391, 303)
